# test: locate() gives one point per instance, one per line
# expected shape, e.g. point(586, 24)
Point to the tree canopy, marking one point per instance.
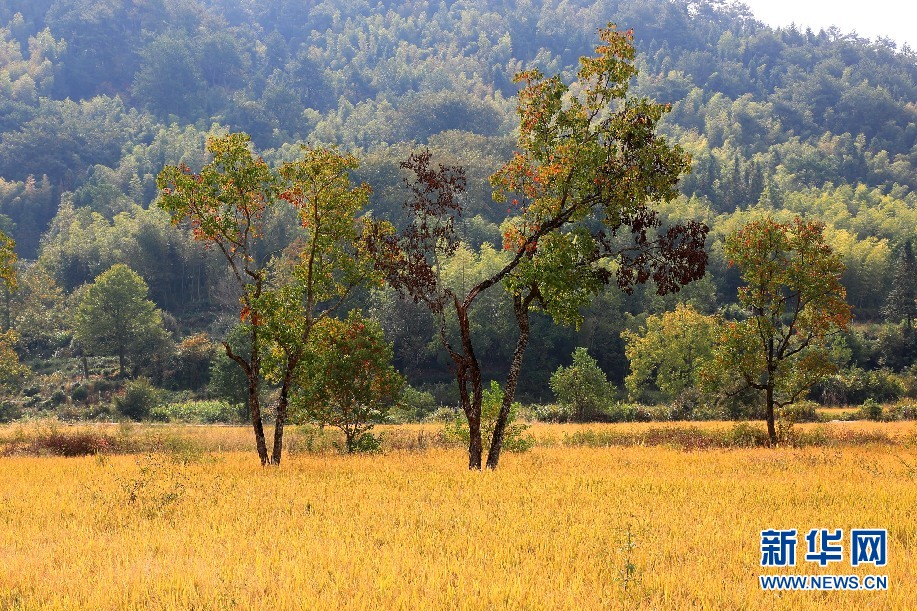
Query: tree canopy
point(793, 300)
point(115, 318)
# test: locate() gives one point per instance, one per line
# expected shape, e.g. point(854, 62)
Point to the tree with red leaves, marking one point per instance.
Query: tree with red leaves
point(588, 167)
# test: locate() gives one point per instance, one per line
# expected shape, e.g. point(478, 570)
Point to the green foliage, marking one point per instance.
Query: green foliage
point(190, 365)
point(669, 351)
point(854, 386)
point(115, 318)
point(197, 412)
point(347, 381)
point(901, 304)
point(582, 387)
point(872, 410)
point(413, 405)
point(515, 438)
point(7, 263)
point(138, 399)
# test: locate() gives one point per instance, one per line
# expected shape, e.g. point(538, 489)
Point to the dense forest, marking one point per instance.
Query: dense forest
point(96, 98)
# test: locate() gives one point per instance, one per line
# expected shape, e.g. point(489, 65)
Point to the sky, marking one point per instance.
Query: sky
point(895, 19)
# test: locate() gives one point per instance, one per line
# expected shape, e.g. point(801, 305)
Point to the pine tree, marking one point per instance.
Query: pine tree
point(902, 300)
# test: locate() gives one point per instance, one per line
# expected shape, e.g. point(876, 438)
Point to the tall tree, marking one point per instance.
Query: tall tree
point(115, 318)
point(794, 300)
point(589, 162)
point(901, 303)
point(10, 368)
point(226, 204)
point(320, 269)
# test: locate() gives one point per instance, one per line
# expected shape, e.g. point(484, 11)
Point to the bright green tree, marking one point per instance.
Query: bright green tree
point(115, 318)
point(669, 351)
point(582, 386)
point(794, 301)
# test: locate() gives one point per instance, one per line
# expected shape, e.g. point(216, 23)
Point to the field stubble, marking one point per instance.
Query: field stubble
point(559, 527)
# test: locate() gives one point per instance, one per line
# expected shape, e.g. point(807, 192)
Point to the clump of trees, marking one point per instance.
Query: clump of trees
point(281, 296)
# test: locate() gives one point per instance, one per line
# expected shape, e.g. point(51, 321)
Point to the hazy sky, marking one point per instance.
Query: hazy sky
point(895, 19)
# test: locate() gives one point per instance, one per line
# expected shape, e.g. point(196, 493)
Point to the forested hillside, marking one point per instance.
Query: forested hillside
point(97, 97)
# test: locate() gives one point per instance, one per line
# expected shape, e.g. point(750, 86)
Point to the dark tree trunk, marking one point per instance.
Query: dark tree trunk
point(254, 407)
point(252, 370)
point(470, 371)
point(282, 404)
point(771, 428)
point(521, 310)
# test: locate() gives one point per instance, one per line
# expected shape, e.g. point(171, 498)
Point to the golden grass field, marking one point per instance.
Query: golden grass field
point(560, 527)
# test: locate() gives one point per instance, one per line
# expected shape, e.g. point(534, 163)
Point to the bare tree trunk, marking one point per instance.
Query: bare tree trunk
point(468, 371)
point(771, 428)
point(254, 407)
point(521, 310)
point(252, 370)
point(281, 418)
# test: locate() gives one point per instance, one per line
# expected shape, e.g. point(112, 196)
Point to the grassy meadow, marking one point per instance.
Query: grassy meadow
point(594, 517)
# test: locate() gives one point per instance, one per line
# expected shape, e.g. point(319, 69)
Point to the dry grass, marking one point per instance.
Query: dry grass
point(556, 528)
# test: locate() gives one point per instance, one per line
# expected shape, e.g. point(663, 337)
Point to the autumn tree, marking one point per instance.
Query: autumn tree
point(225, 204)
point(115, 318)
point(589, 164)
point(10, 368)
point(281, 295)
point(793, 301)
point(348, 382)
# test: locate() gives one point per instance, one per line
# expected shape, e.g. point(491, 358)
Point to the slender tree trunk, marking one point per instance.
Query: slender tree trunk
point(771, 428)
point(254, 407)
point(282, 404)
point(475, 447)
point(522, 320)
point(121, 364)
point(252, 370)
point(467, 371)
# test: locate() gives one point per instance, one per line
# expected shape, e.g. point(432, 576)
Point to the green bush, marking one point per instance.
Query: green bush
point(139, 399)
point(367, 443)
point(9, 411)
point(904, 412)
point(802, 411)
point(854, 386)
point(197, 412)
point(79, 394)
point(582, 386)
point(627, 412)
point(871, 410)
point(514, 438)
point(552, 412)
point(413, 406)
point(746, 435)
